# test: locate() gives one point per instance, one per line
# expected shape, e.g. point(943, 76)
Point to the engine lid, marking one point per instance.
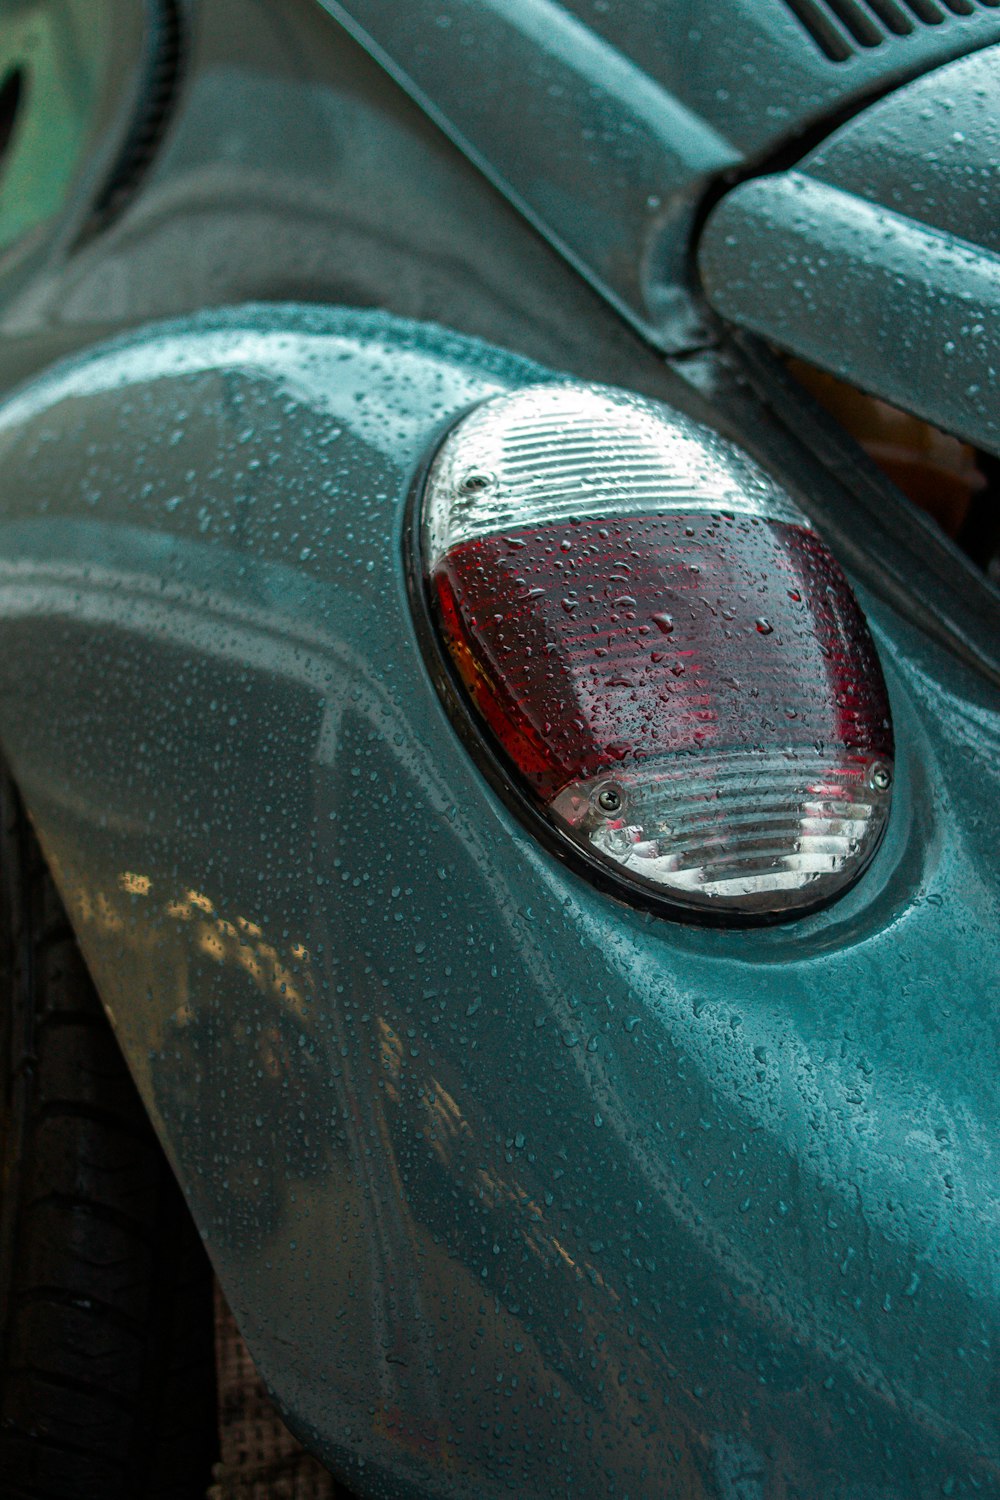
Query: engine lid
point(878, 258)
point(606, 120)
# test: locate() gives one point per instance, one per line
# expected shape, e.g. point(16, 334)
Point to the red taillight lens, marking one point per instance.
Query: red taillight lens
point(664, 650)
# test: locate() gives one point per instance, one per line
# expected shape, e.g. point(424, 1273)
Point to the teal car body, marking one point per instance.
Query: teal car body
point(515, 1188)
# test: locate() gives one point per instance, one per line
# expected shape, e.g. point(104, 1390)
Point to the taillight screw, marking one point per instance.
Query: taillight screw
point(609, 800)
point(881, 778)
point(476, 481)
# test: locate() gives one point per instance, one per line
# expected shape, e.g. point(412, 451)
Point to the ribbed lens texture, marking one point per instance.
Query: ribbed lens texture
point(594, 643)
point(551, 453)
point(755, 830)
point(692, 696)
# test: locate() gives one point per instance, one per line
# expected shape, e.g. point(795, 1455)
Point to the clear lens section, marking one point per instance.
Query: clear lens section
point(663, 649)
point(756, 831)
point(553, 452)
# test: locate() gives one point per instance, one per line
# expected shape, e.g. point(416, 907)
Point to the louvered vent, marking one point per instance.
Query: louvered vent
point(840, 27)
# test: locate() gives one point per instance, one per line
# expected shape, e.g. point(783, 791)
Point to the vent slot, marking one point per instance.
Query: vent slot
point(840, 27)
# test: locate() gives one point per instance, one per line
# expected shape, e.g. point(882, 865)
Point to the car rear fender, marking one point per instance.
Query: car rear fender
point(512, 1188)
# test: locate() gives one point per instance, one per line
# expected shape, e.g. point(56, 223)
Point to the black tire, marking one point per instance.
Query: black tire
point(107, 1377)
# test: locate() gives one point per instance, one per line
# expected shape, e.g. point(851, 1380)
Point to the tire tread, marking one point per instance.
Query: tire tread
point(107, 1386)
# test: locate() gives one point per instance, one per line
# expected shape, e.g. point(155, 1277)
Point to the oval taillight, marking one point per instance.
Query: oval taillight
point(666, 654)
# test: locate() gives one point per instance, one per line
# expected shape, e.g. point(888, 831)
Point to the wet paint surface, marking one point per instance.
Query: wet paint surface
point(877, 257)
point(513, 1189)
point(606, 122)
